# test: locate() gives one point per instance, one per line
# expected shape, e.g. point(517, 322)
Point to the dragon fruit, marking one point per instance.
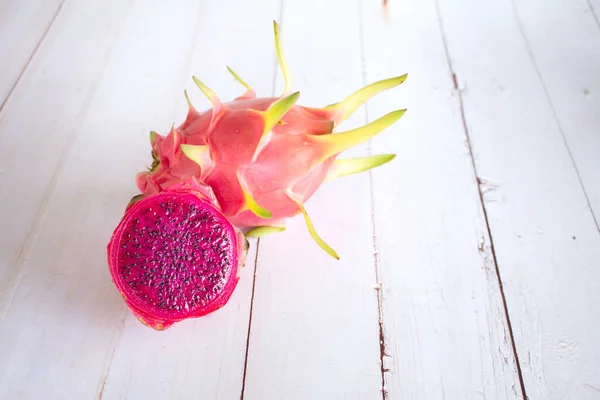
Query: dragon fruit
point(264, 157)
point(236, 170)
point(175, 256)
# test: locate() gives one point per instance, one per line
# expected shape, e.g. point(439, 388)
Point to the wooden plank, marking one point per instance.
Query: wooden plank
point(445, 326)
point(201, 358)
point(23, 26)
point(314, 332)
point(40, 121)
point(55, 335)
point(56, 332)
point(546, 242)
point(568, 70)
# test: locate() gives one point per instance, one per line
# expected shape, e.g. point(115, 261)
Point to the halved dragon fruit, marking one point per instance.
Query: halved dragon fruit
point(265, 157)
point(175, 256)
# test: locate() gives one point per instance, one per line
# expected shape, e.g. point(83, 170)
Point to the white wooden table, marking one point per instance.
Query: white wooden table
point(470, 264)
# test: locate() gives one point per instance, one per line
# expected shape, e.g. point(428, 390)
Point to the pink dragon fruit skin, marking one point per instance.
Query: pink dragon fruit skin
point(265, 157)
point(175, 256)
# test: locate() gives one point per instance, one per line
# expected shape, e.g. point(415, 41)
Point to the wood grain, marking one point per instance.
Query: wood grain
point(546, 242)
point(314, 332)
point(445, 327)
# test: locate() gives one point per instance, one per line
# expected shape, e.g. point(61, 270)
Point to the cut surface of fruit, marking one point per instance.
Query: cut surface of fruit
point(175, 255)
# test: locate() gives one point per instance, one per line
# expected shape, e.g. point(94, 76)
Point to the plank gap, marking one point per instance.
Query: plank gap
point(593, 11)
point(250, 320)
point(111, 353)
point(481, 199)
point(376, 266)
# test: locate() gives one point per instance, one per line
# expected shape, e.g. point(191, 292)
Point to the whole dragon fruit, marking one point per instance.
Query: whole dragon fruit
point(175, 256)
point(265, 157)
